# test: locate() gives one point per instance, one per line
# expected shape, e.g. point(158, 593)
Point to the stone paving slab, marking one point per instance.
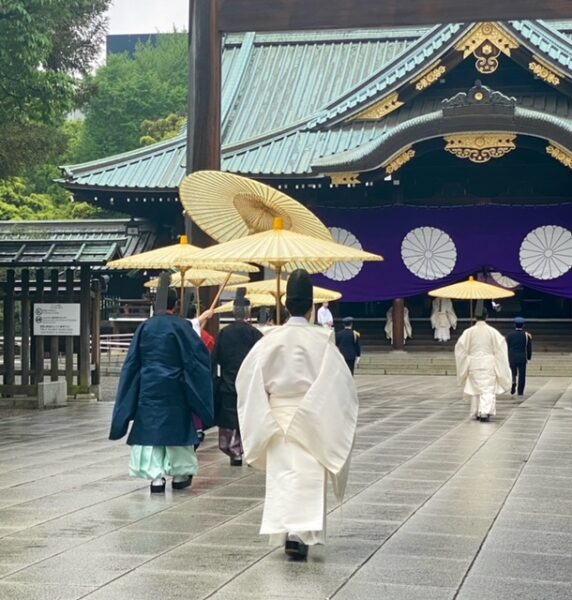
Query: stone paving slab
point(439, 507)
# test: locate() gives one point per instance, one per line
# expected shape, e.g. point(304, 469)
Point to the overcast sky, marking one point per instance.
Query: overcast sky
point(148, 16)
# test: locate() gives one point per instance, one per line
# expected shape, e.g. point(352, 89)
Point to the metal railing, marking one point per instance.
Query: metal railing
point(114, 346)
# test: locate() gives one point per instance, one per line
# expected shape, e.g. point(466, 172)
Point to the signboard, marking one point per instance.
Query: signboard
point(56, 319)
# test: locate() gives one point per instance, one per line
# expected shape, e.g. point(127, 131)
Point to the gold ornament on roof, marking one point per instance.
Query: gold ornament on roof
point(430, 77)
point(345, 178)
point(480, 147)
point(380, 109)
point(396, 163)
point(541, 70)
point(560, 154)
point(486, 41)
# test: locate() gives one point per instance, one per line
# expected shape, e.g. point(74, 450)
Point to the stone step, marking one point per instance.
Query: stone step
point(441, 363)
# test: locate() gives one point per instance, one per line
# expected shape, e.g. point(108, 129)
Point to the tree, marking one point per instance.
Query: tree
point(162, 129)
point(128, 91)
point(45, 45)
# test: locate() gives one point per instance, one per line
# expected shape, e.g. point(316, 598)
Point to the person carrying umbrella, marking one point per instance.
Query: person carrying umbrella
point(482, 366)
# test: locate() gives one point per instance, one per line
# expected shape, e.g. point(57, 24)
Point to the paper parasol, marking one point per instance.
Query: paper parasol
point(177, 256)
point(198, 278)
point(282, 249)
point(228, 207)
point(201, 278)
point(256, 300)
point(268, 286)
point(471, 289)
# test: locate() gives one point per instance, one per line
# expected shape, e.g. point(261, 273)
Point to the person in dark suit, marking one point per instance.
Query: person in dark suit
point(165, 380)
point(233, 344)
point(519, 344)
point(347, 341)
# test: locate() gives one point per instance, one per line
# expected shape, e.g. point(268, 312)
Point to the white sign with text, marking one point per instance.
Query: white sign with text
point(56, 319)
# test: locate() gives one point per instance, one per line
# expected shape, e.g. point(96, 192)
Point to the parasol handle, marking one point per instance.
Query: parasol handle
point(220, 291)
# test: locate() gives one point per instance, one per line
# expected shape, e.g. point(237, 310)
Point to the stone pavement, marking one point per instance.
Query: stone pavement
point(438, 507)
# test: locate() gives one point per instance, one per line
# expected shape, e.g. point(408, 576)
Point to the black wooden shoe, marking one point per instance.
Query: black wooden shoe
point(485, 419)
point(296, 550)
point(181, 485)
point(236, 462)
point(158, 488)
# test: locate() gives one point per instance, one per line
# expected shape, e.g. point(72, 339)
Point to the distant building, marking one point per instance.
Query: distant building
point(121, 43)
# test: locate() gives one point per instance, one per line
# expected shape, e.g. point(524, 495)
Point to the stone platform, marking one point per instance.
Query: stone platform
point(439, 507)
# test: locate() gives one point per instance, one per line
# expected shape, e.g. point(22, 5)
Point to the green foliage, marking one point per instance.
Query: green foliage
point(44, 46)
point(162, 129)
point(17, 203)
point(37, 196)
point(128, 91)
point(20, 199)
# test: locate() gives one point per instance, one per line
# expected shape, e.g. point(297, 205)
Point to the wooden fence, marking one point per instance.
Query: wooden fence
point(31, 359)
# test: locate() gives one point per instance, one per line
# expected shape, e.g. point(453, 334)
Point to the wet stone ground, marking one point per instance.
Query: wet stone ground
point(438, 507)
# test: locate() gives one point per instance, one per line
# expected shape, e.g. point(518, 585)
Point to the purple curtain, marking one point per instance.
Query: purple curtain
point(452, 243)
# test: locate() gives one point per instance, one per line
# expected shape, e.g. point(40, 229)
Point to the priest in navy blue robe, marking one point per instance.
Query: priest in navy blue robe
point(165, 380)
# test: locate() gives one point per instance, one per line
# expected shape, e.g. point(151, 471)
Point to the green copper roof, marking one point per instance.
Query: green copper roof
point(287, 99)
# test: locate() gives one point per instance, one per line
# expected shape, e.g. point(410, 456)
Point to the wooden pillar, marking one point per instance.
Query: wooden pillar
point(69, 297)
point(10, 331)
point(84, 330)
point(95, 332)
point(39, 339)
point(204, 126)
point(26, 333)
point(398, 317)
point(54, 339)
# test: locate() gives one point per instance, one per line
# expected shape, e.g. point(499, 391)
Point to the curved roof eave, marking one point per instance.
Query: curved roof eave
point(101, 164)
point(376, 153)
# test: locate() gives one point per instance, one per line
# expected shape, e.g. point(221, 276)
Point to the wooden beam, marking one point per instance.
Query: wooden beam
point(204, 126)
point(203, 130)
point(9, 335)
point(39, 339)
point(398, 316)
point(283, 15)
point(26, 326)
point(84, 329)
point(54, 339)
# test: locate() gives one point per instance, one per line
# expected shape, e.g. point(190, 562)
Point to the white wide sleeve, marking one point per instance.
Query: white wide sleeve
point(257, 424)
point(326, 420)
point(462, 358)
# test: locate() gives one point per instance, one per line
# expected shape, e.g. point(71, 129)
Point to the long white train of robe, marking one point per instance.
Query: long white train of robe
point(443, 318)
point(297, 408)
point(407, 329)
point(482, 367)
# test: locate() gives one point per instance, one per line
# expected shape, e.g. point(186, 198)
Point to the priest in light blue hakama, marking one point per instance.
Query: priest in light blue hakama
point(165, 380)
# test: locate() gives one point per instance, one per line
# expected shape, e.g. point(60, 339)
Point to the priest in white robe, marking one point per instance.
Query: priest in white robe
point(297, 408)
point(482, 366)
point(443, 318)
